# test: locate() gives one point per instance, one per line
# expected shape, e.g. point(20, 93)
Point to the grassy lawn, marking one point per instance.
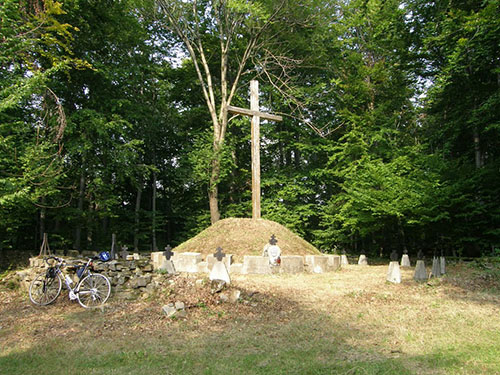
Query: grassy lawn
point(348, 322)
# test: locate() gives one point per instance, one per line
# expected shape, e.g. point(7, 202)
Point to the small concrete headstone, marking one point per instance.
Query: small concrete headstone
point(420, 271)
point(273, 251)
point(124, 253)
point(236, 268)
point(292, 264)
point(333, 262)
point(343, 259)
point(167, 264)
point(405, 261)
point(219, 270)
point(363, 260)
point(394, 273)
point(436, 267)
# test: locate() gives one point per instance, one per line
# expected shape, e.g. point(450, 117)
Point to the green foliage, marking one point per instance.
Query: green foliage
point(36, 46)
point(202, 158)
point(104, 128)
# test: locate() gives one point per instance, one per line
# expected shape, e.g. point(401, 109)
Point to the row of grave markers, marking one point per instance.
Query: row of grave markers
point(220, 272)
point(394, 272)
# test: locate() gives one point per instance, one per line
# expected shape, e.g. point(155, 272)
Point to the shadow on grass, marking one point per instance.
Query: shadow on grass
point(473, 284)
point(268, 333)
point(294, 349)
point(14, 259)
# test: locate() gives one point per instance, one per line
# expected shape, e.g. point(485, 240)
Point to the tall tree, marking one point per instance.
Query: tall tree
point(35, 47)
point(225, 40)
point(460, 44)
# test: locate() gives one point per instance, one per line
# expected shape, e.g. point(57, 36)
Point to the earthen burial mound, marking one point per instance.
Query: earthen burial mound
point(246, 237)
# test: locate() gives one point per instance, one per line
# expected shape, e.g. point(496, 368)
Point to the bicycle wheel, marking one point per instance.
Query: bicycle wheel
point(45, 289)
point(93, 290)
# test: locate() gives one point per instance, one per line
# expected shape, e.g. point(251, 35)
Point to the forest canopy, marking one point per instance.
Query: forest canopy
point(113, 119)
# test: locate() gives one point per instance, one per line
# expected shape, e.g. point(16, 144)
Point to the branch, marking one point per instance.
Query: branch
point(175, 27)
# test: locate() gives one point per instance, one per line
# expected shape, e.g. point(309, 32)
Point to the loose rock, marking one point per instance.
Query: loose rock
point(169, 310)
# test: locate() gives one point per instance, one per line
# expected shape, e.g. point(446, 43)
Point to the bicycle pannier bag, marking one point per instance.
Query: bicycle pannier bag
point(51, 272)
point(79, 271)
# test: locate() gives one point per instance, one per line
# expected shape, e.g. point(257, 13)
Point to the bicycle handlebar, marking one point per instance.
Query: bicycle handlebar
point(60, 260)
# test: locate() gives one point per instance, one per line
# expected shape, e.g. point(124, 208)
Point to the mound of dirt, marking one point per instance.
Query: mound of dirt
point(246, 237)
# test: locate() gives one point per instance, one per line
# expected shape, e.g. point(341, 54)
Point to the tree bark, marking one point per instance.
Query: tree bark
point(78, 231)
point(477, 148)
point(402, 235)
point(90, 231)
point(213, 192)
point(153, 209)
point(137, 218)
point(43, 214)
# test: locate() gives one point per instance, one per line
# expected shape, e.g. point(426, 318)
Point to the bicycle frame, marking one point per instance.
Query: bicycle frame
point(91, 289)
point(68, 280)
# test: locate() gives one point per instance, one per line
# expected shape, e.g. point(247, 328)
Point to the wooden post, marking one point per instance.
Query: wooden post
point(255, 113)
point(45, 248)
point(254, 106)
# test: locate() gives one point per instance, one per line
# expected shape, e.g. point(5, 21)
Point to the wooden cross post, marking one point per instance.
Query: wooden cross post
point(256, 115)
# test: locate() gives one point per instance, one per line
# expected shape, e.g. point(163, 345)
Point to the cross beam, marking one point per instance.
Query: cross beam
point(256, 115)
point(249, 112)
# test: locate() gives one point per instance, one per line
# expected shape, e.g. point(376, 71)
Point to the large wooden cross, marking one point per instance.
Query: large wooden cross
point(256, 115)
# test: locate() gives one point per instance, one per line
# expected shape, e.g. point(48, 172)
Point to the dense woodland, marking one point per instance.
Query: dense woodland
point(113, 119)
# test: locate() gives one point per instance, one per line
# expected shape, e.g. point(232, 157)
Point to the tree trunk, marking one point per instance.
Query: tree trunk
point(90, 231)
point(43, 214)
point(402, 234)
point(78, 231)
point(477, 148)
point(213, 192)
point(281, 150)
point(137, 219)
point(296, 154)
point(153, 209)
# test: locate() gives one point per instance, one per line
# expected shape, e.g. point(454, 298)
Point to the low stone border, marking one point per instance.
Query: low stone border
point(194, 263)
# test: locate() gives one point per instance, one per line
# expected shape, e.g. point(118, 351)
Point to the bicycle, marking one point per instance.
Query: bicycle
point(91, 290)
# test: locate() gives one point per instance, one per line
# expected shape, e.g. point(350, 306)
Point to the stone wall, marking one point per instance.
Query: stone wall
point(141, 275)
point(129, 278)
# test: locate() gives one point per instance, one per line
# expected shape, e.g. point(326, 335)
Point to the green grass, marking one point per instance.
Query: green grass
point(438, 328)
point(298, 348)
point(288, 351)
